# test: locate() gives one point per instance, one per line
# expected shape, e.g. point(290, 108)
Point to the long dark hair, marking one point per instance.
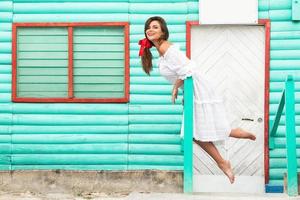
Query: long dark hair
point(147, 56)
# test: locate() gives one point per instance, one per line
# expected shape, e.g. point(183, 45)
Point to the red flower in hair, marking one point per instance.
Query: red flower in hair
point(145, 43)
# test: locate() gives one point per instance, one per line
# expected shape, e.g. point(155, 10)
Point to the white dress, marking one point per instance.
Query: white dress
point(210, 120)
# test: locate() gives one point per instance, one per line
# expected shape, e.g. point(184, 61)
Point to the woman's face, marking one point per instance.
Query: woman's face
point(154, 31)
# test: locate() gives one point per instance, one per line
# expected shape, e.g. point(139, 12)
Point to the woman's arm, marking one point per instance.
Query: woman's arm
point(177, 84)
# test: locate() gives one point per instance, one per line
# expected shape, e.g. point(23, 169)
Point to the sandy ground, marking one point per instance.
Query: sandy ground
point(143, 196)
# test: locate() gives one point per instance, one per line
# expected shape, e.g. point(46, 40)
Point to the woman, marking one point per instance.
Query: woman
point(210, 121)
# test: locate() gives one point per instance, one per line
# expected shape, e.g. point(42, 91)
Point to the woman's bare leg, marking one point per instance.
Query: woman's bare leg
point(240, 133)
point(224, 165)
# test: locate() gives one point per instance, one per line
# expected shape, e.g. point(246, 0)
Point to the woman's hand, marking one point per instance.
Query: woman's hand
point(174, 94)
point(177, 84)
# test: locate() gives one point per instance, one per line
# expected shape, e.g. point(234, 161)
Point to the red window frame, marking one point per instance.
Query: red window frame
point(70, 97)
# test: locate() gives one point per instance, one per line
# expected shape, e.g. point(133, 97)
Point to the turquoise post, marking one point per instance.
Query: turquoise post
point(292, 187)
point(188, 135)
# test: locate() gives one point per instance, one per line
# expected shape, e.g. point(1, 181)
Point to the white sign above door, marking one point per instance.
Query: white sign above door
point(228, 11)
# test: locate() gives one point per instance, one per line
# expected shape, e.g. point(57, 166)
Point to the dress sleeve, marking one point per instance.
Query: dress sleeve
point(180, 63)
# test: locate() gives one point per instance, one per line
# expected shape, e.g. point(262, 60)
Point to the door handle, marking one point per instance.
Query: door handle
point(247, 119)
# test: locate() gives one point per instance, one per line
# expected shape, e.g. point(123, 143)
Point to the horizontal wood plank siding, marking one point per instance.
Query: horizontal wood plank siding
point(72, 11)
point(284, 60)
point(6, 18)
point(71, 136)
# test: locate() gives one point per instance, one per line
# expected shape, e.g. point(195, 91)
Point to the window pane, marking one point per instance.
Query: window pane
point(99, 59)
point(42, 62)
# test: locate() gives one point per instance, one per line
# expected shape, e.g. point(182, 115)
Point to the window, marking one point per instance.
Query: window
point(70, 62)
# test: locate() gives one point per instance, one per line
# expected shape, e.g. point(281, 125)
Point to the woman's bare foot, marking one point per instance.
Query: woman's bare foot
point(226, 168)
point(240, 133)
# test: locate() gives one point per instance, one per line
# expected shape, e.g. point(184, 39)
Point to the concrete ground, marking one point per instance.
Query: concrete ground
point(144, 196)
point(107, 185)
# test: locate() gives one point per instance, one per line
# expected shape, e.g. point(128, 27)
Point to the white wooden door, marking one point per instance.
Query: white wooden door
point(234, 57)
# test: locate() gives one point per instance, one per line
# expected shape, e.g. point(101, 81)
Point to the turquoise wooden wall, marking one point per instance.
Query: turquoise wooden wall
point(143, 134)
point(5, 84)
point(285, 59)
